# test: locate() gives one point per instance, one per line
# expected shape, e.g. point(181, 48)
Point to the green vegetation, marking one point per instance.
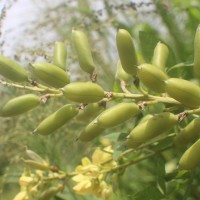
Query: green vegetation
point(111, 111)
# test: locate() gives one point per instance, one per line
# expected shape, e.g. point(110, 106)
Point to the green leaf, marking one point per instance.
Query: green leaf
point(122, 137)
point(116, 86)
point(160, 169)
point(149, 193)
point(163, 143)
point(113, 136)
point(183, 174)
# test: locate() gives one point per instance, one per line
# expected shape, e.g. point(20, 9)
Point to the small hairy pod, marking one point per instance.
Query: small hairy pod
point(60, 55)
point(91, 131)
point(36, 165)
point(89, 111)
point(121, 74)
point(189, 133)
point(50, 74)
point(152, 77)
point(57, 119)
point(19, 105)
point(197, 53)
point(117, 114)
point(83, 92)
point(190, 159)
point(151, 128)
point(34, 156)
point(183, 91)
point(50, 192)
point(126, 51)
point(160, 56)
point(12, 70)
point(83, 51)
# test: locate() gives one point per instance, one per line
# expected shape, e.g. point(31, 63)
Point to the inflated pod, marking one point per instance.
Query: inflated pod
point(90, 111)
point(152, 77)
point(91, 131)
point(57, 119)
point(126, 51)
point(151, 128)
point(83, 92)
point(145, 118)
point(183, 91)
point(190, 159)
point(121, 74)
point(160, 55)
point(189, 133)
point(117, 114)
point(12, 70)
point(19, 105)
point(60, 55)
point(83, 51)
point(50, 74)
point(197, 53)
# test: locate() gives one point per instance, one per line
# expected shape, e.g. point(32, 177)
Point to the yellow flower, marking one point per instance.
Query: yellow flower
point(25, 181)
point(105, 142)
point(86, 184)
point(103, 157)
point(23, 195)
point(87, 168)
point(89, 176)
point(106, 190)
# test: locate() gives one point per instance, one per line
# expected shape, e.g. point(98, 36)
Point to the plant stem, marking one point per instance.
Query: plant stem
point(123, 86)
point(141, 97)
point(132, 162)
point(180, 65)
point(38, 88)
point(194, 111)
point(146, 145)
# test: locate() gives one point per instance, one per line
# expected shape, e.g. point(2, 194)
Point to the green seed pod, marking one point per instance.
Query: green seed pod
point(190, 159)
point(50, 192)
point(117, 114)
point(189, 133)
point(36, 165)
point(60, 55)
point(145, 118)
point(126, 51)
point(151, 128)
point(152, 77)
point(89, 111)
point(122, 75)
point(83, 92)
point(12, 70)
point(57, 119)
point(91, 131)
point(197, 53)
point(19, 105)
point(50, 74)
point(83, 51)
point(183, 91)
point(160, 56)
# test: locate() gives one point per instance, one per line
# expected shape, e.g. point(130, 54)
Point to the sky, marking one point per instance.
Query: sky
point(19, 17)
point(22, 15)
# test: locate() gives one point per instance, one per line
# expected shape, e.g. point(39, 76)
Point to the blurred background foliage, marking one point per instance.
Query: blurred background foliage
point(173, 22)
